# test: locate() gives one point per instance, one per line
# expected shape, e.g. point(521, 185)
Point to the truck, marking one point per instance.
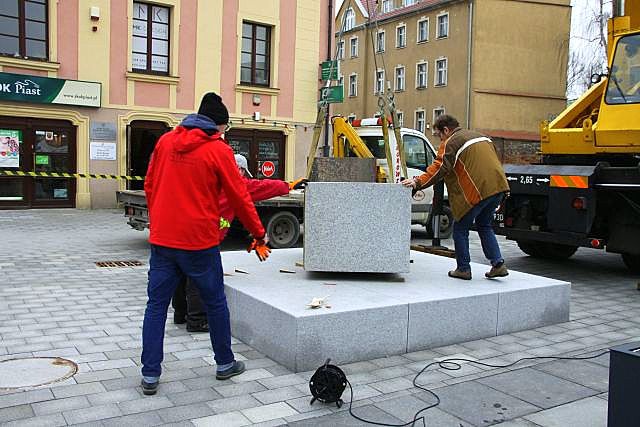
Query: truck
point(585, 192)
point(283, 215)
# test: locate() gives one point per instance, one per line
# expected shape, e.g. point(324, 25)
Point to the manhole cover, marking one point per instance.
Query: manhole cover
point(34, 372)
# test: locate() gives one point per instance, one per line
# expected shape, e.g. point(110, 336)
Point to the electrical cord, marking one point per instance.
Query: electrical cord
point(453, 365)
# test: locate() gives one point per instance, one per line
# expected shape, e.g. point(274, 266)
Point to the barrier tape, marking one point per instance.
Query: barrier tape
point(71, 175)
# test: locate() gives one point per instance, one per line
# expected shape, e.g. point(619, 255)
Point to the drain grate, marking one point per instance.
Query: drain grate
point(128, 263)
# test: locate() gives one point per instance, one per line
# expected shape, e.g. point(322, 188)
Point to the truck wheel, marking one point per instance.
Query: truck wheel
point(632, 261)
point(546, 250)
point(283, 230)
point(446, 224)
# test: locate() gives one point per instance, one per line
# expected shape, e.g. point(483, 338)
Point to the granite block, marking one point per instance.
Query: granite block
point(455, 320)
point(357, 227)
point(344, 169)
point(544, 306)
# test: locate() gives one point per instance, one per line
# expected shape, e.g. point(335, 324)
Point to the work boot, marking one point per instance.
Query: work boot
point(179, 318)
point(149, 389)
point(236, 369)
point(499, 270)
point(202, 326)
point(457, 274)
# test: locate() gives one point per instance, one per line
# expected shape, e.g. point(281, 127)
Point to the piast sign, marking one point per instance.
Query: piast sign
point(44, 90)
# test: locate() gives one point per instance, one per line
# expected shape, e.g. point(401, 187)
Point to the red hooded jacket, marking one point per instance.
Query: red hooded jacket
point(187, 173)
point(259, 189)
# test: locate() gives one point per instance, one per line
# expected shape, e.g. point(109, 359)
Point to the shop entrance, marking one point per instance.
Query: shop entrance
point(264, 151)
point(142, 137)
point(34, 145)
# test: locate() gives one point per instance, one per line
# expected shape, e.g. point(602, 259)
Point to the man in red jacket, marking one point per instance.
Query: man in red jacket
point(186, 299)
point(189, 168)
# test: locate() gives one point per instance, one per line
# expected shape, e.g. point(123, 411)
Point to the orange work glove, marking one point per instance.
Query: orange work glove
point(298, 184)
point(261, 248)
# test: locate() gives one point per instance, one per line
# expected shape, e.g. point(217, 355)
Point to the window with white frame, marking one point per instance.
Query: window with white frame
point(409, 2)
point(441, 72)
point(353, 45)
point(380, 41)
point(401, 36)
point(438, 111)
point(419, 123)
point(399, 78)
point(400, 119)
point(349, 19)
point(340, 53)
point(443, 26)
point(423, 30)
point(353, 85)
point(386, 6)
point(379, 88)
point(421, 75)
point(149, 38)
point(341, 82)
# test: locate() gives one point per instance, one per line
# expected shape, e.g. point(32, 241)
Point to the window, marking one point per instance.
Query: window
point(379, 82)
point(399, 78)
point(255, 68)
point(24, 29)
point(386, 6)
point(416, 154)
point(354, 47)
point(423, 31)
point(438, 111)
point(441, 72)
point(353, 85)
point(409, 2)
point(624, 83)
point(443, 26)
point(401, 36)
point(419, 125)
point(380, 41)
point(400, 118)
point(150, 39)
point(341, 83)
point(340, 53)
point(349, 19)
point(421, 75)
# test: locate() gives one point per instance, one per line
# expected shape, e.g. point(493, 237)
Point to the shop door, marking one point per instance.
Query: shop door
point(43, 146)
point(264, 150)
point(142, 137)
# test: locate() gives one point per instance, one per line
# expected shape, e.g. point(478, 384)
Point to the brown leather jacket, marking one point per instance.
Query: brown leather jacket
point(469, 165)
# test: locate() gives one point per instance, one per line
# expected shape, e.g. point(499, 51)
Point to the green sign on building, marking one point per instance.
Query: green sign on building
point(44, 90)
point(333, 94)
point(330, 70)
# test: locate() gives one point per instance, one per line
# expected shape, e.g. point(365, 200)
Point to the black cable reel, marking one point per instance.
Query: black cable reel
point(327, 384)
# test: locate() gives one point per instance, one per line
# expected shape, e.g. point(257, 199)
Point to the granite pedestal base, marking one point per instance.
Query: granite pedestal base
point(367, 316)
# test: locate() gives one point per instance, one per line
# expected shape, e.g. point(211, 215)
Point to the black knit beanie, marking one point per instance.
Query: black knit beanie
point(212, 107)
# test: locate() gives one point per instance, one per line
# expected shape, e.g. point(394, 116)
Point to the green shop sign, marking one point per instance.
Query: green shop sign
point(43, 90)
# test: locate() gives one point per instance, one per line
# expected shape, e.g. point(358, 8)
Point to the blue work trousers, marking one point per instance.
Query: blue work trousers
point(482, 215)
point(166, 267)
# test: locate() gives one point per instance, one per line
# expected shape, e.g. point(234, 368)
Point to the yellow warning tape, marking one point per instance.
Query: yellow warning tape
point(71, 175)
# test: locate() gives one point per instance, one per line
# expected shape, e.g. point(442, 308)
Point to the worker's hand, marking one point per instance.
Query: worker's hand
point(261, 248)
point(298, 184)
point(410, 182)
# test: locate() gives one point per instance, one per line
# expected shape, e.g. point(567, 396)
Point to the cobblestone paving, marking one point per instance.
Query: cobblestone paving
point(54, 301)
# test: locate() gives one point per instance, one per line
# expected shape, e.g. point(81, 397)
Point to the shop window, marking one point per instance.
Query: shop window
point(23, 29)
point(150, 38)
point(265, 151)
point(255, 68)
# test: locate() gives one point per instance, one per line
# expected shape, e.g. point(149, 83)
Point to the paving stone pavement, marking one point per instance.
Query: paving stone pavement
point(54, 301)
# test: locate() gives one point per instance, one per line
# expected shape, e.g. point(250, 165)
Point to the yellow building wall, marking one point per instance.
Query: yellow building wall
point(519, 66)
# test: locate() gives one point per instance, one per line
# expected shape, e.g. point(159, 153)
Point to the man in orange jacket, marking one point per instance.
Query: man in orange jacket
point(189, 168)
point(186, 299)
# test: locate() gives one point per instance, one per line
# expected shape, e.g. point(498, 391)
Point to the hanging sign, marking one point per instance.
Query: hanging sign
point(45, 90)
point(10, 141)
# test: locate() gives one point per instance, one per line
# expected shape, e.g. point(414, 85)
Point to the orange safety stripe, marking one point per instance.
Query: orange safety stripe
point(572, 181)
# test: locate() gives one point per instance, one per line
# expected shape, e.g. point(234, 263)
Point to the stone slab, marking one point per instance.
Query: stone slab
point(345, 169)
point(367, 316)
point(357, 227)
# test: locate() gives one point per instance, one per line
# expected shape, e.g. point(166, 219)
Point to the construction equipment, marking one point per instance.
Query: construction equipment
point(586, 191)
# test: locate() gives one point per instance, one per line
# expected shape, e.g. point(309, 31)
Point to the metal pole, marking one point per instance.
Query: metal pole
point(325, 147)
